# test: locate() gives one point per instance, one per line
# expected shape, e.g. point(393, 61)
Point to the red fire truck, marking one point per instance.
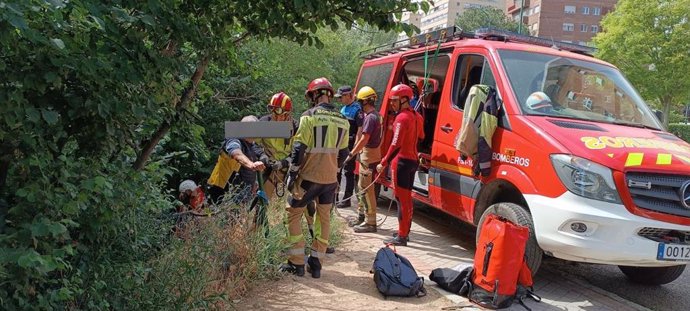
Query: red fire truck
point(596, 179)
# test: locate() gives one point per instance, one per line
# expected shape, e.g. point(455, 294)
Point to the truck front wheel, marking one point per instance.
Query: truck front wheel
point(519, 215)
point(652, 275)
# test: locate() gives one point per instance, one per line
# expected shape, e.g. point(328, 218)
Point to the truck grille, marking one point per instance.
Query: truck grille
point(664, 235)
point(660, 192)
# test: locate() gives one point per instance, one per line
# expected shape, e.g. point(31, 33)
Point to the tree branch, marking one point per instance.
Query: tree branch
point(240, 38)
point(164, 128)
point(4, 169)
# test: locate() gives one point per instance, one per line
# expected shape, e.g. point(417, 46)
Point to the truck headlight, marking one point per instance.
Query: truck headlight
point(585, 178)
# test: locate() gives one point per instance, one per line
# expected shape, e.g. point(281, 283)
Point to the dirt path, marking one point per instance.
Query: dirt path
point(345, 284)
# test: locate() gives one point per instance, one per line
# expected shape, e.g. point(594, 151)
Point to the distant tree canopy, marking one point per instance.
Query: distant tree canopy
point(648, 40)
point(487, 16)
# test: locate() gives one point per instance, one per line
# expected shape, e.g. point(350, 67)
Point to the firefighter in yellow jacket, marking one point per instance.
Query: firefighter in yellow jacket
point(319, 150)
point(277, 154)
point(277, 150)
point(236, 167)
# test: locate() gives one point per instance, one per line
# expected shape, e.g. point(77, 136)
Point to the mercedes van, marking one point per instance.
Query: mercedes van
point(597, 179)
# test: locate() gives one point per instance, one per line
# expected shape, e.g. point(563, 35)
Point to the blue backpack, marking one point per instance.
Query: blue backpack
point(395, 276)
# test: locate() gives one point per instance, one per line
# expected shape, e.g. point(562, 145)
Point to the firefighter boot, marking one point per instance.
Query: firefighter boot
point(344, 204)
point(397, 241)
point(289, 267)
point(364, 228)
point(314, 267)
point(395, 234)
point(356, 221)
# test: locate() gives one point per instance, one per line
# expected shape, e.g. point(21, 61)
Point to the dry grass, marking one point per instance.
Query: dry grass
point(219, 258)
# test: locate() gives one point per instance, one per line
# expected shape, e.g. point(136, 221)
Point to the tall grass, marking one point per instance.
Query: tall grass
point(215, 260)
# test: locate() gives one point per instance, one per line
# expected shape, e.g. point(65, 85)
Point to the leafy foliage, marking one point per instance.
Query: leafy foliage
point(87, 87)
point(486, 16)
point(648, 41)
point(681, 130)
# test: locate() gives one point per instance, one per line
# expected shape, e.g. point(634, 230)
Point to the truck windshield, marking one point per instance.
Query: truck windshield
point(569, 88)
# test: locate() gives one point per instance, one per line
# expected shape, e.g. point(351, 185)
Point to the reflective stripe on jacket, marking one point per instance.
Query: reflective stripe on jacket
point(479, 123)
point(324, 132)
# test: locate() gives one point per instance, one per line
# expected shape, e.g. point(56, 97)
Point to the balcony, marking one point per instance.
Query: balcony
point(516, 6)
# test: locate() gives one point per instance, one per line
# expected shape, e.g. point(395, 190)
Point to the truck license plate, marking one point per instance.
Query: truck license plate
point(673, 252)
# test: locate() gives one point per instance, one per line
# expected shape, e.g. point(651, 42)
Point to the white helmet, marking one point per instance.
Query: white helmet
point(538, 100)
point(187, 185)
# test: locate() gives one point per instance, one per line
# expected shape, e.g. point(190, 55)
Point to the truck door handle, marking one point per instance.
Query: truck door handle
point(447, 128)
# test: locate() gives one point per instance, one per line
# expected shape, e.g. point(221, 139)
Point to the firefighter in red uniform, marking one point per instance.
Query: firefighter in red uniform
point(408, 129)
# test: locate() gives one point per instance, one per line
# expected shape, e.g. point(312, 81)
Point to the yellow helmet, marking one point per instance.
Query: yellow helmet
point(366, 92)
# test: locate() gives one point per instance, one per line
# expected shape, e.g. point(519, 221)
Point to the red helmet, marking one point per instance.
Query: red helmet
point(401, 90)
point(320, 86)
point(280, 103)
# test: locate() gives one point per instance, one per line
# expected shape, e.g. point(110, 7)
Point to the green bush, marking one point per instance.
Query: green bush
point(681, 130)
point(86, 85)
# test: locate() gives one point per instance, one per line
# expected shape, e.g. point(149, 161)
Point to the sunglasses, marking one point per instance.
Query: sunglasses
point(277, 110)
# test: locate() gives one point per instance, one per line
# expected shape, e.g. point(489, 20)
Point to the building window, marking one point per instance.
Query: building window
point(583, 28)
point(595, 28)
point(568, 27)
point(569, 9)
point(584, 43)
point(427, 21)
point(585, 10)
point(567, 41)
point(596, 10)
point(537, 9)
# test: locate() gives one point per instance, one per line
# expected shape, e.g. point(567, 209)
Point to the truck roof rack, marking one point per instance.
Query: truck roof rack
point(451, 33)
point(454, 33)
point(507, 36)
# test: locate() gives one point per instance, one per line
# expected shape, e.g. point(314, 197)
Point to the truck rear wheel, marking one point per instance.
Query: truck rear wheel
point(652, 275)
point(520, 216)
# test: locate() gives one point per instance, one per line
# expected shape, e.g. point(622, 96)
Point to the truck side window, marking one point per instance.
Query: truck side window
point(471, 69)
point(377, 77)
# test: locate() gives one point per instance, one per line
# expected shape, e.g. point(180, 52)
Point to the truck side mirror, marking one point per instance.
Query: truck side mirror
point(659, 115)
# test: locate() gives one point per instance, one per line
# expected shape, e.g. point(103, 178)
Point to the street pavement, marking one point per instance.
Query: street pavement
point(439, 240)
point(672, 296)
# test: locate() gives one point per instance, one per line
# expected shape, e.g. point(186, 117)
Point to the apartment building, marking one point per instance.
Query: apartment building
point(411, 19)
point(444, 13)
point(573, 21)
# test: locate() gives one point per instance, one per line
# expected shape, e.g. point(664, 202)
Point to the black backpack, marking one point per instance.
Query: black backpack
point(454, 281)
point(395, 276)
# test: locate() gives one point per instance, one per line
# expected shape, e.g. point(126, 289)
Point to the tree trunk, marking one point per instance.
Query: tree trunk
point(164, 128)
point(4, 168)
point(666, 101)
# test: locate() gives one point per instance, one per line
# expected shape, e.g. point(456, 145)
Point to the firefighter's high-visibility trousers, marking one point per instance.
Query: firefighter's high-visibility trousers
point(367, 200)
point(323, 196)
point(277, 178)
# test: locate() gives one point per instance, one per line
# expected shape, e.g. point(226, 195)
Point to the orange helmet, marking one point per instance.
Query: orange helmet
point(317, 87)
point(280, 103)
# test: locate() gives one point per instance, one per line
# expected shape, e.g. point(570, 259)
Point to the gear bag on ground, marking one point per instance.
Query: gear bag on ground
point(501, 274)
point(395, 276)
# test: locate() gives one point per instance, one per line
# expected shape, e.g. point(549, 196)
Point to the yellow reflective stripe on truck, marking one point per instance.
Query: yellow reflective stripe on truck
point(634, 159)
point(663, 159)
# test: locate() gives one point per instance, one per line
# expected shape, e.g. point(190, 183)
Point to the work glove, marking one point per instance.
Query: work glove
point(292, 177)
point(278, 165)
point(266, 161)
